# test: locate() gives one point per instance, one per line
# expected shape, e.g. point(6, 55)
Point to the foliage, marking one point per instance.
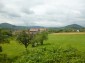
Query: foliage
point(77, 41)
point(4, 35)
point(39, 38)
point(35, 40)
point(0, 49)
point(3, 38)
point(24, 38)
point(44, 36)
point(53, 55)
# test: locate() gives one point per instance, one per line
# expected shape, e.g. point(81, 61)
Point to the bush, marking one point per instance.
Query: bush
point(39, 38)
point(54, 55)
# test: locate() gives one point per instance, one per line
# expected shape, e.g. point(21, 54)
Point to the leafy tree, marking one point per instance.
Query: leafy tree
point(43, 36)
point(39, 38)
point(35, 40)
point(7, 32)
point(3, 39)
point(24, 38)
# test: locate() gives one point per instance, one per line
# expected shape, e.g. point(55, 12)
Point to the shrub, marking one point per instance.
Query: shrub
point(54, 55)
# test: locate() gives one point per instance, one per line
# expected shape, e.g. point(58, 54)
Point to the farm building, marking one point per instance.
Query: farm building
point(43, 29)
point(31, 31)
point(37, 30)
point(34, 30)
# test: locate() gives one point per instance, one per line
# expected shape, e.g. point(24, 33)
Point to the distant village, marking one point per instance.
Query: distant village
point(31, 31)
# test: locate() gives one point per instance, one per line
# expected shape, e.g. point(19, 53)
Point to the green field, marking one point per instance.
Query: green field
point(65, 40)
point(14, 49)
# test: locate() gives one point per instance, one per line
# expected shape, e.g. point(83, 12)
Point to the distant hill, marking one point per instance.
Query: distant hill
point(10, 26)
point(73, 26)
point(6, 25)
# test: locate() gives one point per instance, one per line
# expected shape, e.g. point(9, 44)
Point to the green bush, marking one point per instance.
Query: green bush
point(39, 38)
point(53, 55)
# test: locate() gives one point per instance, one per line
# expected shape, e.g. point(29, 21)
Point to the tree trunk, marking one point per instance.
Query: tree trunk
point(26, 49)
point(0, 48)
point(42, 42)
point(33, 45)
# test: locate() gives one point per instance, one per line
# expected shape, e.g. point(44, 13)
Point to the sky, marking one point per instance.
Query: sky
point(49, 13)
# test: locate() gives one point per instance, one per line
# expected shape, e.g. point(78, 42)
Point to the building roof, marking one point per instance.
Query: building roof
point(43, 29)
point(34, 29)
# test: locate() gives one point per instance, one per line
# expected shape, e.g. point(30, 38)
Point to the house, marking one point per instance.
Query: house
point(78, 31)
point(43, 29)
point(37, 30)
point(34, 30)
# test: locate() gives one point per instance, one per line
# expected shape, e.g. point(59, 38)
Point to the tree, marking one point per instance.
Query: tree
point(43, 36)
point(39, 38)
point(35, 40)
point(3, 39)
point(24, 38)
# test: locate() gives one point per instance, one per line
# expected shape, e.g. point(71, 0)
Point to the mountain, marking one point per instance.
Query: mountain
point(73, 26)
point(14, 27)
point(6, 25)
point(10, 26)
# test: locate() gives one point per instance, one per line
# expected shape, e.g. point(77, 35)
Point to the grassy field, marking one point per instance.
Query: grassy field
point(76, 40)
point(64, 40)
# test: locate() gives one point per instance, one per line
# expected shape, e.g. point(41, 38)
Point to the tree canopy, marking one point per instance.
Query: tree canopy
point(24, 38)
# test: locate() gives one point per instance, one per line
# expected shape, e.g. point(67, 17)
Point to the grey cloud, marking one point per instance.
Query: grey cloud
point(27, 11)
point(50, 11)
point(9, 14)
point(6, 13)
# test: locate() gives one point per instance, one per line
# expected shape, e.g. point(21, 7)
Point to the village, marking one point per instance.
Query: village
point(31, 31)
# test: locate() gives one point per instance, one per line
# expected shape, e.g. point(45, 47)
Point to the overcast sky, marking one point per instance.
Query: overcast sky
point(42, 12)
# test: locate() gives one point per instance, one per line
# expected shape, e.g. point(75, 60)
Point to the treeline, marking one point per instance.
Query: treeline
point(58, 30)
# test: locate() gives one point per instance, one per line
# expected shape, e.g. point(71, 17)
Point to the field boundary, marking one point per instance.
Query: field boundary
point(71, 33)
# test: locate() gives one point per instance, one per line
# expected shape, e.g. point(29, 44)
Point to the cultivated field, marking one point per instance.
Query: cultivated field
point(76, 40)
point(55, 40)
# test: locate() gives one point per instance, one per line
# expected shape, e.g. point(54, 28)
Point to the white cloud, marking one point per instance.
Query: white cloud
point(47, 23)
point(42, 12)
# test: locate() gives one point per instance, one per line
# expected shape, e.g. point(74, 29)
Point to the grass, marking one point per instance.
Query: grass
point(54, 40)
point(64, 40)
point(12, 49)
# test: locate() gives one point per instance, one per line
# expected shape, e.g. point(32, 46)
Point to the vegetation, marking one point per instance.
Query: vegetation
point(68, 28)
point(4, 38)
point(54, 50)
point(53, 55)
point(24, 38)
point(39, 38)
point(4, 34)
point(64, 49)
